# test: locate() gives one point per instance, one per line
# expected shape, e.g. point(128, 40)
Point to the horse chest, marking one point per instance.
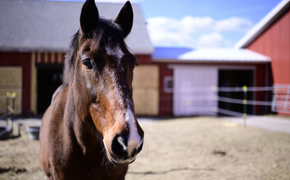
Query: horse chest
point(92, 164)
point(98, 167)
point(105, 173)
point(89, 170)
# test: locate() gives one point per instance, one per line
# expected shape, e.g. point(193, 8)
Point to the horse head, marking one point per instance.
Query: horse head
point(101, 72)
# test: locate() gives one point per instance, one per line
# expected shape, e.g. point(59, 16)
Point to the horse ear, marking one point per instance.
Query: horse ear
point(125, 19)
point(89, 16)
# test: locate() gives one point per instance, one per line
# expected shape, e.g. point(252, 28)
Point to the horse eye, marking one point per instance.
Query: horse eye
point(87, 64)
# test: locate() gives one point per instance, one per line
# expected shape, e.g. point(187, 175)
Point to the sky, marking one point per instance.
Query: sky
point(200, 23)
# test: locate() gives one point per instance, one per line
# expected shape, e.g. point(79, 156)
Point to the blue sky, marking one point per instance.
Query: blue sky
point(200, 23)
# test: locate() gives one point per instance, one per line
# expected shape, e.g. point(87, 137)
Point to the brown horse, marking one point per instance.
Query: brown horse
point(90, 130)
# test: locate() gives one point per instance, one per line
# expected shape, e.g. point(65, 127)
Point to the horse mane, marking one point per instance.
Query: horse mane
point(106, 34)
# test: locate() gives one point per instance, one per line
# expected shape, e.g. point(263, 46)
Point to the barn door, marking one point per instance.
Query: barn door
point(146, 90)
point(192, 90)
point(48, 80)
point(11, 81)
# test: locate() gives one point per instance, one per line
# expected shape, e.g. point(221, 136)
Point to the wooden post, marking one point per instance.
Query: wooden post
point(245, 105)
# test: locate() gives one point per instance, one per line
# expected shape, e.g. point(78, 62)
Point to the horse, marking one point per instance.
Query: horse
point(90, 130)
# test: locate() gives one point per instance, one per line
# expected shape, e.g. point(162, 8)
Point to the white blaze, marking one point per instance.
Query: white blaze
point(134, 138)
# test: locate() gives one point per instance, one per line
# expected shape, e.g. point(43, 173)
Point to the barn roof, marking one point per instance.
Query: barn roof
point(169, 52)
point(219, 55)
point(47, 26)
point(263, 24)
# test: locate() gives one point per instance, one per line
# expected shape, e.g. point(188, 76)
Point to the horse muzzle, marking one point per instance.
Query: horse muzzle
point(124, 150)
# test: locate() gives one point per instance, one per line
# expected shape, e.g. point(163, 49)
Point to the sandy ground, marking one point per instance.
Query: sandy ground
point(202, 148)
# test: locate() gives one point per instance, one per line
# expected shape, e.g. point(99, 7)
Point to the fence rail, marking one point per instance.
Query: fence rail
point(211, 96)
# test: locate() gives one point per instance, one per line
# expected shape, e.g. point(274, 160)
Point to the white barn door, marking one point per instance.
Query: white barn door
point(192, 94)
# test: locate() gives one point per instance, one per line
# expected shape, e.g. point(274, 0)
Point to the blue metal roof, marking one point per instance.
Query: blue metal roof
point(169, 52)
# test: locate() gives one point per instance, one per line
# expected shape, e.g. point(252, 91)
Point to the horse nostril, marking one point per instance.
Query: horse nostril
point(119, 145)
point(140, 148)
point(134, 152)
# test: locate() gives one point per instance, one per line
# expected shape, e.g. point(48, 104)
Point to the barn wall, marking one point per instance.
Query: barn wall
point(143, 59)
point(22, 60)
point(275, 43)
point(262, 77)
point(166, 98)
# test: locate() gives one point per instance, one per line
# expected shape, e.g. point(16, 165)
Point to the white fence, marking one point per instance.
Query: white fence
point(205, 100)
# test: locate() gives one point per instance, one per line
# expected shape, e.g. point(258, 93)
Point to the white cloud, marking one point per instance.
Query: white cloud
point(213, 40)
point(193, 24)
point(172, 39)
point(234, 24)
point(165, 31)
point(163, 24)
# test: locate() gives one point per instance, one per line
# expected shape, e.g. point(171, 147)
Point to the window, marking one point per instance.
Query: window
point(168, 84)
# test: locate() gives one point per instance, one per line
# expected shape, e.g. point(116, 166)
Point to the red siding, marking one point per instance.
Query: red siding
point(165, 98)
point(23, 60)
point(275, 43)
point(143, 59)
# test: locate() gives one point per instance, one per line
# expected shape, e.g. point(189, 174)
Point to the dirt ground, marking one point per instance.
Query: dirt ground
point(201, 148)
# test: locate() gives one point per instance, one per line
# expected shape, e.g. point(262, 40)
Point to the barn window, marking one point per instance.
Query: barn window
point(168, 84)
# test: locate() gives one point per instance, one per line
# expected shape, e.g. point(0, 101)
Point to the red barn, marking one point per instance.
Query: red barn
point(271, 37)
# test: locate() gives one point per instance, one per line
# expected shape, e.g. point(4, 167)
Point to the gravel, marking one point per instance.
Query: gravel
point(198, 148)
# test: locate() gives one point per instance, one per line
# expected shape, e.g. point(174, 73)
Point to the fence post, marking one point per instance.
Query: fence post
point(274, 105)
point(286, 100)
point(245, 105)
point(214, 97)
point(7, 106)
point(13, 109)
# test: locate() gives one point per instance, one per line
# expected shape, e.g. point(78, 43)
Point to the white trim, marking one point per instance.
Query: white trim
point(134, 140)
point(263, 24)
point(208, 61)
point(220, 67)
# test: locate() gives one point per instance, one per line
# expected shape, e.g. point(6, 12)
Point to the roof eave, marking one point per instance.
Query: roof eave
point(262, 25)
point(54, 50)
point(206, 61)
point(29, 50)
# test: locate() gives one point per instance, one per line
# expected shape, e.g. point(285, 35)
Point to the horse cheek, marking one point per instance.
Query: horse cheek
point(98, 118)
point(81, 100)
